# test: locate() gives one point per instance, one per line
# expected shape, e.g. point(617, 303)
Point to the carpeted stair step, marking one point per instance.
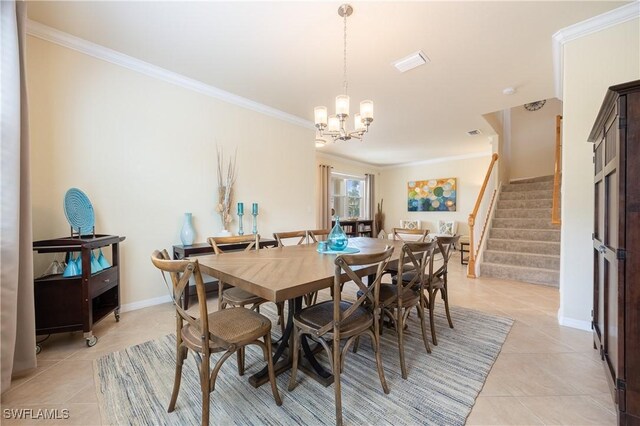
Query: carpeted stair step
point(525, 234)
point(534, 186)
point(527, 195)
point(523, 213)
point(529, 260)
point(524, 204)
point(524, 246)
point(524, 223)
point(519, 273)
point(548, 178)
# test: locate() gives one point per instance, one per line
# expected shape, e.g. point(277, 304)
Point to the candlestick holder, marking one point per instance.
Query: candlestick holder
point(255, 223)
point(240, 227)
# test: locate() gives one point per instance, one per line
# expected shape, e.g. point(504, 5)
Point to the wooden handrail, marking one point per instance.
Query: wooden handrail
point(471, 270)
point(555, 203)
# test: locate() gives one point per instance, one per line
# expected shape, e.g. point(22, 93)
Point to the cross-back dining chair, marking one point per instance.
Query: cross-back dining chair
point(336, 320)
point(316, 234)
point(397, 299)
point(228, 331)
point(299, 236)
point(438, 281)
point(235, 296)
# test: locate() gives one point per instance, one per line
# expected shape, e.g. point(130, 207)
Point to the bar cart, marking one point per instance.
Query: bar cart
point(76, 303)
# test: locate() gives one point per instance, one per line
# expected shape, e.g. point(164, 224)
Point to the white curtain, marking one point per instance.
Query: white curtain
point(324, 194)
point(370, 196)
point(17, 321)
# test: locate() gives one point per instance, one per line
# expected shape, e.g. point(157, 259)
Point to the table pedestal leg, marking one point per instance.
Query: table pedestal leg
point(315, 370)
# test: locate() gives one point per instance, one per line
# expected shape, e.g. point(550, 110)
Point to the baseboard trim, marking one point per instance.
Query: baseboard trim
point(145, 303)
point(574, 323)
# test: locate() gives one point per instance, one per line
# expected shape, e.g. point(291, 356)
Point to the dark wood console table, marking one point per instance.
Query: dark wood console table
point(64, 304)
point(181, 252)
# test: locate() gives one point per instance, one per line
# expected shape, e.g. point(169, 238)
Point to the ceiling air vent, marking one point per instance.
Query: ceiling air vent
point(474, 132)
point(412, 61)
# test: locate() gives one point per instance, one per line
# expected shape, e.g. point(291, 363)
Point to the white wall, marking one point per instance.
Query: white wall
point(591, 64)
point(533, 137)
point(144, 151)
point(470, 173)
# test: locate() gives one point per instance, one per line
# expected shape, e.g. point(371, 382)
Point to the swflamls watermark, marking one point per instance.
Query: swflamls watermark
point(35, 413)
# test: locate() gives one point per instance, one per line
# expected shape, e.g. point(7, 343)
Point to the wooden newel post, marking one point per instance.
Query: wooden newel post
point(471, 267)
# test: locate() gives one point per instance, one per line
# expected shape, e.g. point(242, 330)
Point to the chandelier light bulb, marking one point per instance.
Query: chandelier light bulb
point(334, 124)
point(320, 114)
point(358, 124)
point(366, 110)
point(342, 105)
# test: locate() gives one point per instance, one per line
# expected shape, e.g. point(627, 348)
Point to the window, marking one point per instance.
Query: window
point(347, 200)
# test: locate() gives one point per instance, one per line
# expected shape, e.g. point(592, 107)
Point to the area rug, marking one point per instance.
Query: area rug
point(135, 384)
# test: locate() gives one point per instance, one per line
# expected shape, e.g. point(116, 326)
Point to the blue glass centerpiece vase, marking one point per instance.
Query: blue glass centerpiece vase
point(337, 239)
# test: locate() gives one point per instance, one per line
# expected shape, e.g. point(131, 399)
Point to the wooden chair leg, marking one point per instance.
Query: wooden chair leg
point(356, 344)
point(272, 375)
point(181, 354)
point(445, 297)
point(204, 386)
point(400, 331)
point(294, 361)
point(240, 356)
point(281, 316)
point(336, 378)
point(423, 325)
point(432, 304)
point(376, 348)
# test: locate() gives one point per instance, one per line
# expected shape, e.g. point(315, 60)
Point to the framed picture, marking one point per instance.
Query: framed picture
point(433, 195)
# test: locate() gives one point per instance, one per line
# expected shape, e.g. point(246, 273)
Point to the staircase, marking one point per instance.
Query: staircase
point(523, 245)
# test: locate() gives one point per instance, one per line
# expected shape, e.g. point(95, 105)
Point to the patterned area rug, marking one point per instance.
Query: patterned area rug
point(135, 384)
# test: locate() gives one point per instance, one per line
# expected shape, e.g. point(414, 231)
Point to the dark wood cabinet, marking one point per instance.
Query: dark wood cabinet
point(356, 228)
point(76, 303)
point(616, 245)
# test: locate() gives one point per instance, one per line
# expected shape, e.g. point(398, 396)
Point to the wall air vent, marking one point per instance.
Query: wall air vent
point(474, 132)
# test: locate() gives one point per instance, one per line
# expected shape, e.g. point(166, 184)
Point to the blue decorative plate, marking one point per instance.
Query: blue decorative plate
point(348, 250)
point(79, 211)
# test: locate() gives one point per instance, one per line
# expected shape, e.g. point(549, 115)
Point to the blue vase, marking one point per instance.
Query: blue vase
point(187, 234)
point(337, 239)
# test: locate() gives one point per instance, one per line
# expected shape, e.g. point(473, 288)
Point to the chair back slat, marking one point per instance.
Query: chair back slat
point(316, 233)
point(217, 243)
point(446, 245)
point(399, 232)
point(301, 235)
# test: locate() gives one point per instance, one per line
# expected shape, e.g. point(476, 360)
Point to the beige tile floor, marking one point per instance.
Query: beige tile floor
point(545, 374)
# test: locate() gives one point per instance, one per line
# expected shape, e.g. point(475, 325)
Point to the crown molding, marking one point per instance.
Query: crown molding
point(441, 160)
point(589, 26)
point(44, 32)
point(333, 157)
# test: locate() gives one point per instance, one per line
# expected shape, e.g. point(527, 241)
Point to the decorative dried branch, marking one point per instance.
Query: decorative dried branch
point(225, 186)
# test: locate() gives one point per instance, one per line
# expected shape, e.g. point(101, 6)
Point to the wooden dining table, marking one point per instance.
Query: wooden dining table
point(286, 274)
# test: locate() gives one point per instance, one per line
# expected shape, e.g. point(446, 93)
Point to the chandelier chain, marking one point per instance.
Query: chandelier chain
point(345, 54)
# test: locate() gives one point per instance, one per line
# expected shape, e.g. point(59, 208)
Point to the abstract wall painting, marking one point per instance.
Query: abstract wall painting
point(433, 195)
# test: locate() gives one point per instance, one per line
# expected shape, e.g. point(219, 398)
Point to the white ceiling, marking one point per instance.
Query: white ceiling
point(288, 55)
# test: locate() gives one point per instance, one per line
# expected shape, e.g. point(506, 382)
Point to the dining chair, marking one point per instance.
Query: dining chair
point(398, 298)
point(238, 297)
point(300, 235)
point(227, 331)
point(315, 234)
point(403, 234)
point(335, 320)
point(438, 281)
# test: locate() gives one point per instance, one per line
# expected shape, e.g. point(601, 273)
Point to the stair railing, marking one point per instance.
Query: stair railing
point(474, 248)
point(555, 203)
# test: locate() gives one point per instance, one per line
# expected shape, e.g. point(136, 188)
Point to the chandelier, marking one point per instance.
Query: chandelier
point(336, 125)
